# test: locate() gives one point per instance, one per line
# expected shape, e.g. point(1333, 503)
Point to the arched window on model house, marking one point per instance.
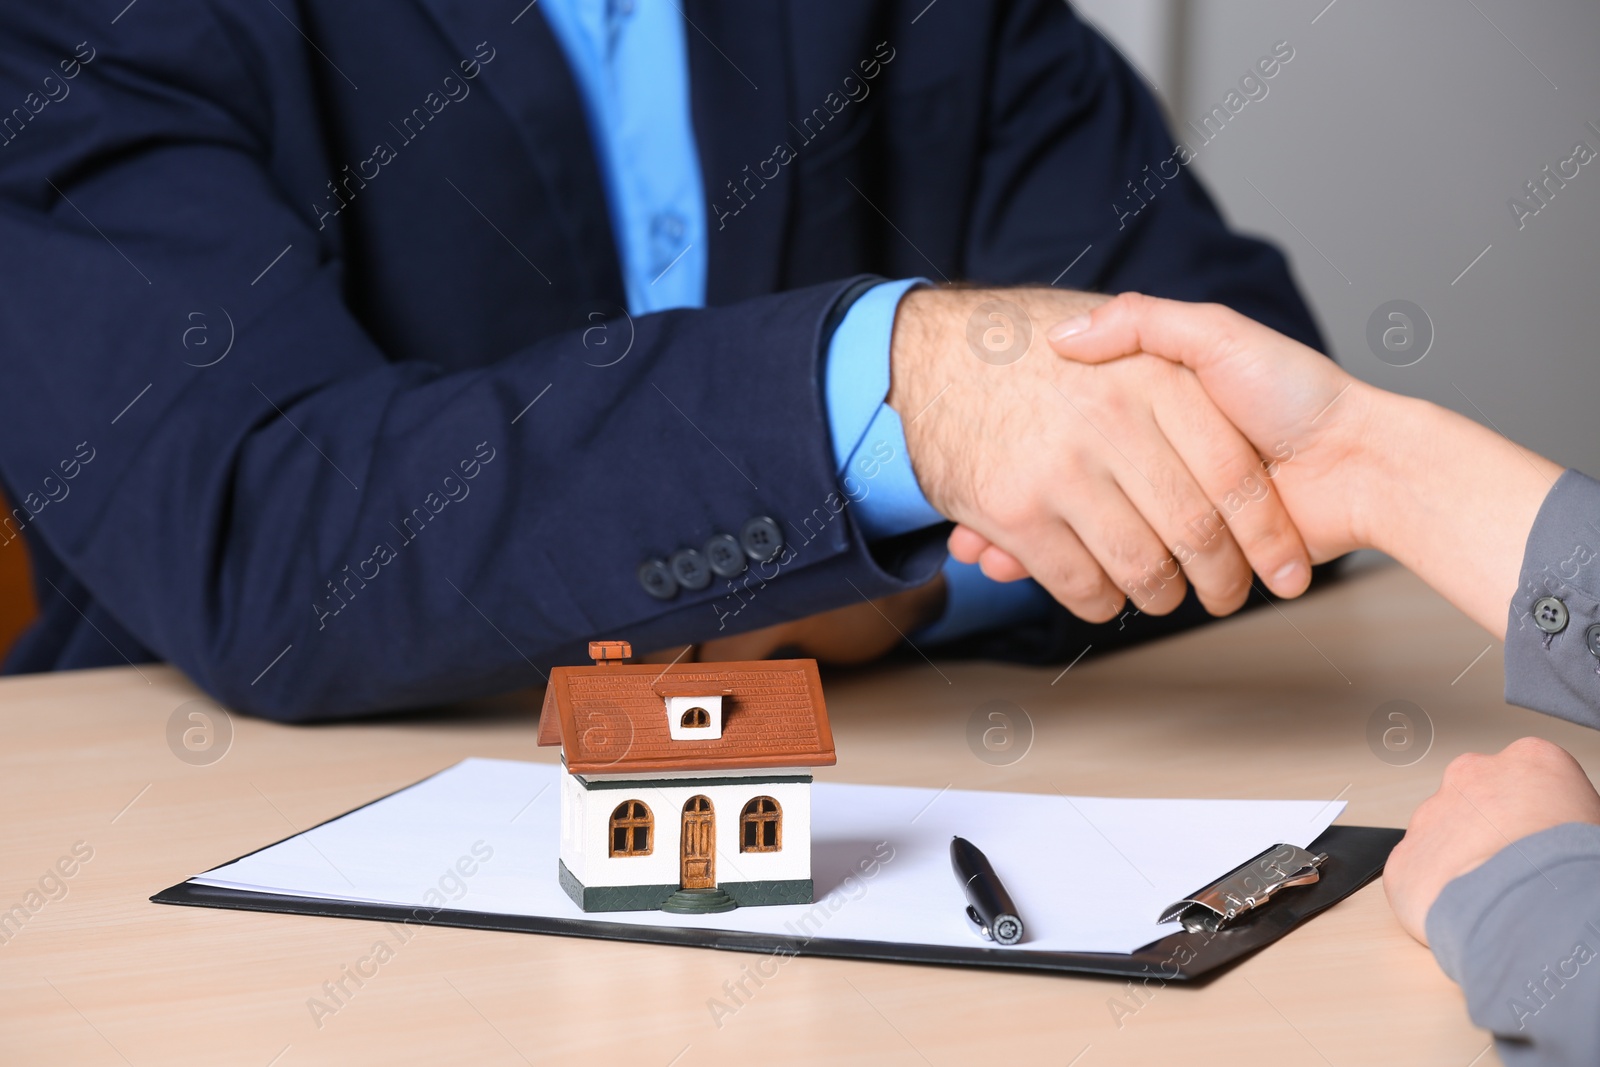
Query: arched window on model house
point(761, 826)
point(632, 829)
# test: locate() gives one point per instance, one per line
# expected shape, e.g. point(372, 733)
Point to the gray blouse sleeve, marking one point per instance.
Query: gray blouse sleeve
point(1553, 634)
point(1522, 935)
point(1522, 932)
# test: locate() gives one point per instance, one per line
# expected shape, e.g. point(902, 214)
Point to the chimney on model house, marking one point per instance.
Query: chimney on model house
point(607, 653)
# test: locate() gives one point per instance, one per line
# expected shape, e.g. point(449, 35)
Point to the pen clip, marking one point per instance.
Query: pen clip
point(972, 917)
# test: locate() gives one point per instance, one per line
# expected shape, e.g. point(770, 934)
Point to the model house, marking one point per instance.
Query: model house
point(687, 788)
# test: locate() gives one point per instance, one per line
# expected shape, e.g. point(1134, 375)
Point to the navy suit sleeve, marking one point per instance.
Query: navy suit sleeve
point(304, 526)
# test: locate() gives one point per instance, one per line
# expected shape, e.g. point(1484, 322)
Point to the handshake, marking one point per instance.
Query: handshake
point(1120, 451)
point(1150, 445)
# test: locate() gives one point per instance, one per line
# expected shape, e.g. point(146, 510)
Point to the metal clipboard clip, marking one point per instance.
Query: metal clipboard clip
point(1247, 886)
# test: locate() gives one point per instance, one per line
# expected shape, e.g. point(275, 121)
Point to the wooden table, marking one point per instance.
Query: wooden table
point(1273, 704)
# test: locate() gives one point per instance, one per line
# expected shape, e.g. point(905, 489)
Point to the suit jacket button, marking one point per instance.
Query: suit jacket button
point(761, 539)
point(1591, 637)
point(657, 579)
point(1550, 614)
point(725, 555)
point(690, 569)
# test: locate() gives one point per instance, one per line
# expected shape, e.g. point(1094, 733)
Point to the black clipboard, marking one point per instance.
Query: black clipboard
point(1356, 855)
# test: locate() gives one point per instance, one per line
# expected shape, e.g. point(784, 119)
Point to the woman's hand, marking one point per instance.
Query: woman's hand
point(1485, 804)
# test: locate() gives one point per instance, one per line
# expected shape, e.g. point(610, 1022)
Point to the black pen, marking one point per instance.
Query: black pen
point(989, 905)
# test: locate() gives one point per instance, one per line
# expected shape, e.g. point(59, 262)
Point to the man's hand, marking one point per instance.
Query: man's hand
point(1485, 804)
point(1077, 473)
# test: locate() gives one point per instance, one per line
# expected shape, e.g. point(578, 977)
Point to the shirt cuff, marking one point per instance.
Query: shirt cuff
point(869, 441)
point(1552, 651)
point(974, 602)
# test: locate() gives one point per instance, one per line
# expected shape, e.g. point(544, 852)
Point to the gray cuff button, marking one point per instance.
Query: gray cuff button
point(1591, 637)
point(1550, 614)
point(725, 555)
point(691, 569)
point(657, 579)
point(761, 539)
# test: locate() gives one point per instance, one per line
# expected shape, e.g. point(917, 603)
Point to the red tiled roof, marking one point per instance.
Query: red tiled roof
point(613, 719)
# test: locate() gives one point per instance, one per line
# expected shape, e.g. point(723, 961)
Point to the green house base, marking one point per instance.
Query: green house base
point(651, 897)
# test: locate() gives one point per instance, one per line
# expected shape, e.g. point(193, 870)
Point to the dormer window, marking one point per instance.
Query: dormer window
point(694, 716)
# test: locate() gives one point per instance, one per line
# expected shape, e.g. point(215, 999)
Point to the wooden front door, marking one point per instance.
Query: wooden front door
point(698, 867)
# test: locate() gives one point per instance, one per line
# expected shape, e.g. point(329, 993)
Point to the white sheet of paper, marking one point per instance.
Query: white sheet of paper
point(1088, 874)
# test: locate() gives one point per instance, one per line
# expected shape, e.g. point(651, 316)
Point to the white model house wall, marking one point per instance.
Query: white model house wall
point(586, 824)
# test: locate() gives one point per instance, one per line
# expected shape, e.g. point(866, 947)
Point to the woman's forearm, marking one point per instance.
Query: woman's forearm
point(1449, 499)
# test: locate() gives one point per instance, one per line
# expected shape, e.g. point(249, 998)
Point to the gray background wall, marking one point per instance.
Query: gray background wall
point(1381, 161)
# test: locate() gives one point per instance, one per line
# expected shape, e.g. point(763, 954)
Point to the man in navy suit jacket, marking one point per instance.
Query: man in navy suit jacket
point(314, 315)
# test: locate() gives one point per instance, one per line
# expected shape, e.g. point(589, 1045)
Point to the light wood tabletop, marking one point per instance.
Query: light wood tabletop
point(1273, 704)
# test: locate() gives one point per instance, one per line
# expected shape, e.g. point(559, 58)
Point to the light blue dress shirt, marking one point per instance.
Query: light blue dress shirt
point(630, 59)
